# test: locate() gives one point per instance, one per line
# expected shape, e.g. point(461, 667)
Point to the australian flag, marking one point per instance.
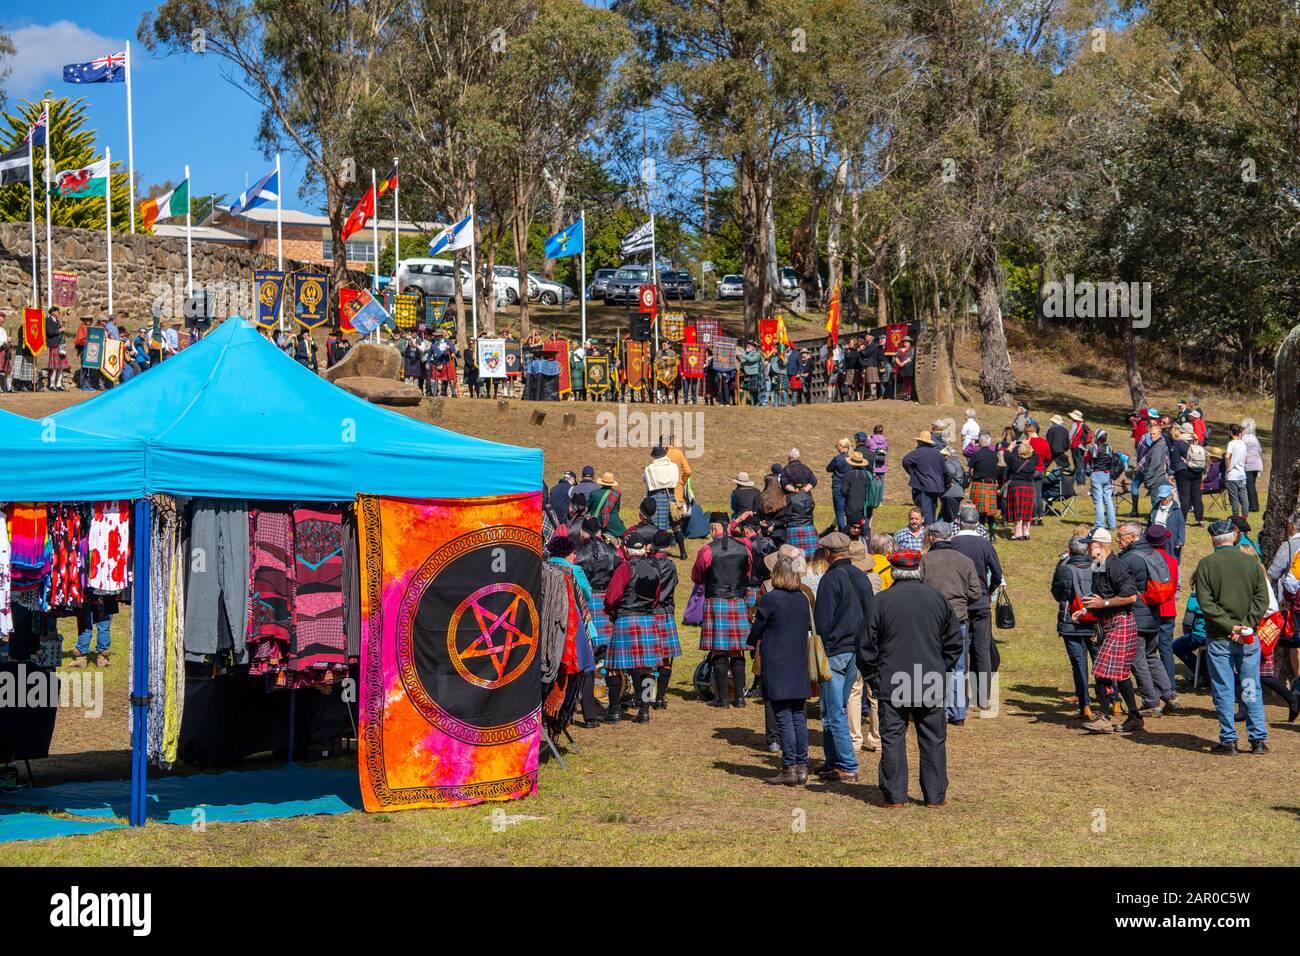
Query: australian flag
point(106, 69)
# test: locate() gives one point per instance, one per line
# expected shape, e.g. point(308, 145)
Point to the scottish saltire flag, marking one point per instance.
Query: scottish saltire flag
point(567, 242)
point(106, 69)
point(458, 236)
point(265, 190)
point(36, 135)
point(640, 239)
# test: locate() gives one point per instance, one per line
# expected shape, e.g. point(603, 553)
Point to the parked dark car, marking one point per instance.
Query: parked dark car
point(625, 284)
point(598, 282)
point(677, 284)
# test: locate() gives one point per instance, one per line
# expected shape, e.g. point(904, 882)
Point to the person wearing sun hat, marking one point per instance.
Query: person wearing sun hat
point(910, 632)
point(924, 467)
point(1167, 513)
point(1114, 594)
point(744, 497)
point(603, 505)
point(1080, 439)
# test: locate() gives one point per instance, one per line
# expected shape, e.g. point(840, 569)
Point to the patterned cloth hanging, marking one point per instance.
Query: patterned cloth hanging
point(68, 557)
point(166, 632)
point(271, 570)
point(319, 650)
point(6, 612)
point(109, 547)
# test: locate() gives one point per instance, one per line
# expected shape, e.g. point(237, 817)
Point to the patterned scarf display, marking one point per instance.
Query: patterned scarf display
point(31, 554)
point(450, 686)
point(319, 652)
point(109, 547)
point(166, 632)
point(68, 557)
point(271, 569)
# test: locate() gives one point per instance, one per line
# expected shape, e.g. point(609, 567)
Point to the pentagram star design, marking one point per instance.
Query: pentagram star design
point(485, 645)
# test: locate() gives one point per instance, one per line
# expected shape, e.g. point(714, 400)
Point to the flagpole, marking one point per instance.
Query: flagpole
point(130, 141)
point(374, 225)
point(31, 196)
point(189, 255)
point(654, 278)
point(582, 288)
point(49, 245)
point(108, 222)
point(473, 269)
point(397, 239)
point(279, 235)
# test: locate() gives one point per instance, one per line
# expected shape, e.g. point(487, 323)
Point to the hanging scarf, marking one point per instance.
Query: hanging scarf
point(271, 569)
point(67, 562)
point(319, 652)
point(109, 547)
point(6, 612)
point(166, 667)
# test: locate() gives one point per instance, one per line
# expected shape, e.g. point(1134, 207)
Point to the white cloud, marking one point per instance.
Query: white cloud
point(41, 51)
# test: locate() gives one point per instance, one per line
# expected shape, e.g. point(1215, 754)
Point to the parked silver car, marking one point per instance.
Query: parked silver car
point(549, 292)
point(731, 287)
point(625, 285)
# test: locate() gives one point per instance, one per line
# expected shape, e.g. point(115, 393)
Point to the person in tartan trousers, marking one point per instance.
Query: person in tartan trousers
point(598, 560)
point(725, 566)
point(631, 597)
point(1114, 592)
point(665, 614)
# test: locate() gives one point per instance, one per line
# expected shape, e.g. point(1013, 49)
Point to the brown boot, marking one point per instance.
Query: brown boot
point(1085, 714)
point(1133, 724)
point(801, 771)
point(78, 661)
point(102, 660)
point(787, 777)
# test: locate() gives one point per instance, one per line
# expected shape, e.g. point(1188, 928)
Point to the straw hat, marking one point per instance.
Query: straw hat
point(1057, 420)
point(1076, 415)
point(1216, 452)
point(742, 478)
point(857, 460)
point(925, 438)
point(607, 480)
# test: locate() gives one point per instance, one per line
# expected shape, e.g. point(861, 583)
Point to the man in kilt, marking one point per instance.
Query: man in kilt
point(630, 601)
point(660, 477)
point(725, 567)
point(598, 560)
point(1114, 592)
point(798, 481)
point(665, 615)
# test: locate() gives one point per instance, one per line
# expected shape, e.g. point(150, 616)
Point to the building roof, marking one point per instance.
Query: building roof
point(265, 215)
point(203, 234)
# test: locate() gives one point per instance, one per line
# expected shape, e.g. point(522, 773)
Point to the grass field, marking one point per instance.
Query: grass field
point(1027, 786)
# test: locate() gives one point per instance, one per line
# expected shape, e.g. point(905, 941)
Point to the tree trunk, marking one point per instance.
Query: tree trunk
point(459, 299)
point(338, 215)
point(1284, 483)
point(997, 380)
point(751, 245)
point(519, 226)
point(834, 252)
point(1136, 388)
point(771, 277)
point(558, 187)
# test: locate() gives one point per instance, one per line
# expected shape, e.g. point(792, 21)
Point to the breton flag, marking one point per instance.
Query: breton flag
point(569, 241)
point(365, 208)
point(265, 190)
point(36, 135)
point(458, 236)
point(169, 204)
point(90, 180)
point(640, 239)
point(16, 166)
point(106, 69)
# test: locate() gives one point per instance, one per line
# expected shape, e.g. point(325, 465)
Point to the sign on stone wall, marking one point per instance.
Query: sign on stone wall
point(65, 289)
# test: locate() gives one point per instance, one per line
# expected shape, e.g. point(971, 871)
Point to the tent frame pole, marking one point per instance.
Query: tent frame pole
point(140, 664)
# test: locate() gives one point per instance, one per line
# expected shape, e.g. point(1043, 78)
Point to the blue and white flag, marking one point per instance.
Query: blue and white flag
point(265, 190)
point(106, 69)
point(459, 236)
point(40, 129)
point(569, 241)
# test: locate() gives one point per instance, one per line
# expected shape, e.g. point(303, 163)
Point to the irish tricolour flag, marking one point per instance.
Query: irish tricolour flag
point(90, 180)
point(169, 204)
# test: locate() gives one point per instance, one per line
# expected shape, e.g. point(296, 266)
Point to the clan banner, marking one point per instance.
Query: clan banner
point(767, 336)
point(724, 353)
point(561, 349)
point(674, 326)
point(596, 370)
point(406, 311)
point(514, 358)
point(34, 330)
point(270, 290)
point(649, 299)
point(666, 369)
point(451, 693)
point(92, 356)
point(311, 299)
point(706, 330)
point(346, 310)
point(692, 360)
point(491, 358)
point(637, 363)
point(894, 335)
point(65, 289)
point(435, 313)
point(365, 314)
point(114, 354)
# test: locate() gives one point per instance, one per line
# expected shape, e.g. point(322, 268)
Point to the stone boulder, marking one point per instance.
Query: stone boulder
point(367, 360)
point(382, 391)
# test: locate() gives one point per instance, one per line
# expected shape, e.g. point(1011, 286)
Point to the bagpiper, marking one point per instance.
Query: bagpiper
point(724, 566)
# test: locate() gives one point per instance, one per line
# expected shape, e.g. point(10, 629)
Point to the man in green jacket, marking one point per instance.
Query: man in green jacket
point(1233, 593)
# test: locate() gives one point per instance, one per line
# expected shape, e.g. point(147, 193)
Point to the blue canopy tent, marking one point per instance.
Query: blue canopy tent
point(47, 460)
point(234, 417)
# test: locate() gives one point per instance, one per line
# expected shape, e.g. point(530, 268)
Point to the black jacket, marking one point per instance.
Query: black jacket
point(729, 572)
point(844, 598)
point(780, 630)
point(856, 485)
point(910, 630)
point(1063, 590)
point(798, 509)
point(987, 567)
point(984, 465)
point(1134, 558)
point(598, 559)
point(1058, 439)
point(924, 467)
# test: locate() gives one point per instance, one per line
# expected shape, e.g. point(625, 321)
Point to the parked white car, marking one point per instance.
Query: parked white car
point(508, 276)
point(434, 277)
point(731, 287)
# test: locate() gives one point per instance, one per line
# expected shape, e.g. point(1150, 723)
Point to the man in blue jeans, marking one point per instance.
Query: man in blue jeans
point(97, 614)
point(844, 598)
point(1233, 593)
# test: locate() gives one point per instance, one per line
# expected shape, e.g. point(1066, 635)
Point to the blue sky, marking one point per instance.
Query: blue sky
point(185, 111)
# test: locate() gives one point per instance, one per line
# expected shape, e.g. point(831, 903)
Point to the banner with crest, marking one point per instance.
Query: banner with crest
point(491, 355)
point(692, 360)
point(270, 289)
point(596, 371)
point(311, 299)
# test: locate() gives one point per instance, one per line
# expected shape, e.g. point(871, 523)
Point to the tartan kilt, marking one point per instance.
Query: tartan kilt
point(984, 496)
point(604, 626)
point(1020, 502)
point(662, 501)
point(6, 361)
point(1119, 643)
point(634, 644)
point(726, 625)
point(24, 367)
point(670, 644)
point(751, 598)
point(57, 362)
point(803, 537)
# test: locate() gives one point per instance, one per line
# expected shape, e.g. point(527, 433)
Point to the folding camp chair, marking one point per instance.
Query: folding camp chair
point(1059, 495)
point(1214, 491)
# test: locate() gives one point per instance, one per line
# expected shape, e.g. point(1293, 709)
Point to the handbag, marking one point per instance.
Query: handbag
point(694, 612)
point(1005, 617)
point(819, 667)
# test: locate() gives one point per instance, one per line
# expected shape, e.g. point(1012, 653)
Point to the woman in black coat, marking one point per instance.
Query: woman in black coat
point(782, 619)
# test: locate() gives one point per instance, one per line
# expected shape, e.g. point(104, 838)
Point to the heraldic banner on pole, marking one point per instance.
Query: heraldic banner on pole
point(450, 666)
